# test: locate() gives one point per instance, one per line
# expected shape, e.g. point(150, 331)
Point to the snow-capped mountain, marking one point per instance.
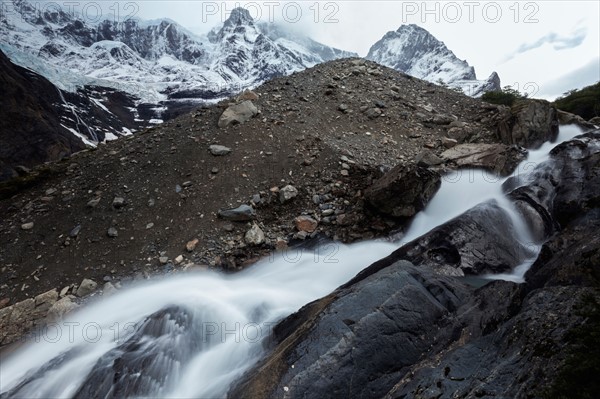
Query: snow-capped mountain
point(413, 50)
point(160, 60)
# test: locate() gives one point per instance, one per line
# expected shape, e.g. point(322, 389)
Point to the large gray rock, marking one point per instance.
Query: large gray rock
point(529, 123)
point(403, 191)
point(237, 114)
point(499, 158)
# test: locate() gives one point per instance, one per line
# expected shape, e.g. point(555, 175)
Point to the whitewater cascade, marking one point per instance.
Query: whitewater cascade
point(193, 335)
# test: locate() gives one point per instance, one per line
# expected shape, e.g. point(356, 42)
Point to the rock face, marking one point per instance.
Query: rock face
point(403, 191)
point(400, 331)
point(529, 123)
point(499, 158)
point(238, 113)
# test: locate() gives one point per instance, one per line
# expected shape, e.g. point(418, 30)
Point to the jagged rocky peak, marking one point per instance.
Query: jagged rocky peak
point(239, 16)
point(415, 51)
point(240, 22)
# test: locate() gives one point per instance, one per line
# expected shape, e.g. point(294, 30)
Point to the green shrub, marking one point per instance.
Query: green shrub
point(584, 102)
point(506, 96)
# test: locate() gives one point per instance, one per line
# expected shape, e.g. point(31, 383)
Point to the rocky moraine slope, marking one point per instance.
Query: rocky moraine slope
point(347, 150)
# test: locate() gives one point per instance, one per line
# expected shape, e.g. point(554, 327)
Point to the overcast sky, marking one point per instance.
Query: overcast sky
point(542, 47)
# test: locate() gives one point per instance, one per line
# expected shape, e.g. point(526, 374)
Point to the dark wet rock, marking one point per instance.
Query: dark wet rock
point(529, 123)
point(559, 190)
point(242, 213)
point(499, 158)
point(137, 366)
point(75, 231)
point(403, 191)
point(481, 240)
point(337, 347)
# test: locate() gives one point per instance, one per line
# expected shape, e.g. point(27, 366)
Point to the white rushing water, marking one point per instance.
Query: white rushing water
point(231, 313)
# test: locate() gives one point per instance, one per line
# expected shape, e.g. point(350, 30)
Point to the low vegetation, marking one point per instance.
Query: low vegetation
point(583, 102)
point(506, 96)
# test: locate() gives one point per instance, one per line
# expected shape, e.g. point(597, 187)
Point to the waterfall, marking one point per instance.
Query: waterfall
point(193, 335)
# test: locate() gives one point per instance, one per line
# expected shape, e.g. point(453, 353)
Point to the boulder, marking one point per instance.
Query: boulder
point(86, 287)
point(254, 236)
point(219, 150)
point(287, 193)
point(306, 223)
point(499, 158)
point(403, 191)
point(242, 213)
point(237, 114)
point(528, 123)
point(61, 308)
point(247, 95)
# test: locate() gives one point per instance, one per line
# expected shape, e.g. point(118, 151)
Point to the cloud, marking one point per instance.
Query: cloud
point(576, 79)
point(557, 41)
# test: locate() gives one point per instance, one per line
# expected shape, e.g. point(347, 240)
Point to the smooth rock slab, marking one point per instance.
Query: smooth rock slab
point(499, 158)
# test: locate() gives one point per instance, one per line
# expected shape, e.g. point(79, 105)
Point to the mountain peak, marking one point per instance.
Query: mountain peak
point(415, 51)
point(239, 16)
